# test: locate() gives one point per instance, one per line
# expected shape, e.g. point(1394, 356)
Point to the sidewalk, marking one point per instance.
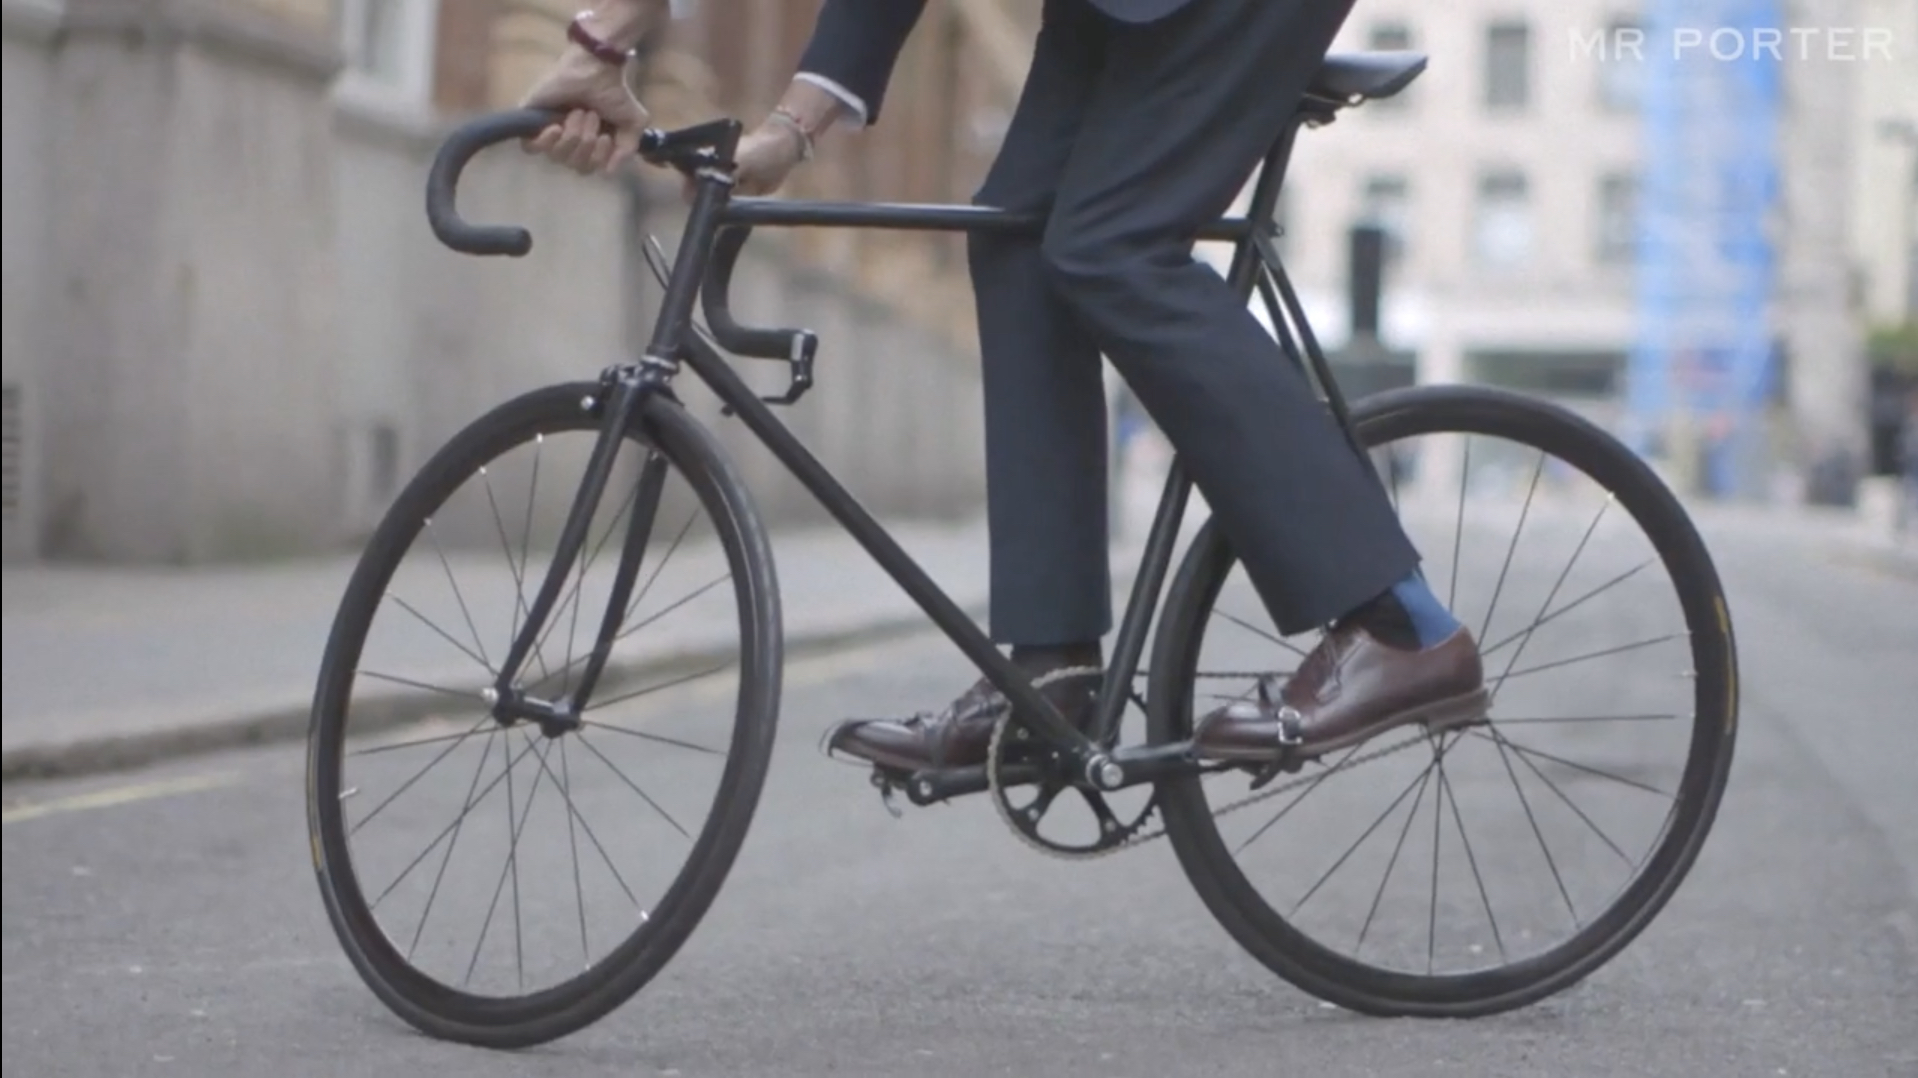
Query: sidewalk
point(110, 667)
point(115, 667)
point(1839, 533)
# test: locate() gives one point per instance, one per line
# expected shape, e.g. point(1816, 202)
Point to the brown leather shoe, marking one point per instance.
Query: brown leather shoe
point(959, 736)
point(1350, 688)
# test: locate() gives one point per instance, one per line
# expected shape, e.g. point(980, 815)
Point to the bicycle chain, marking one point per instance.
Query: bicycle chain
point(1132, 842)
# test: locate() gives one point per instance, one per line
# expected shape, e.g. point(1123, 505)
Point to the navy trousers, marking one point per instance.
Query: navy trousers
point(1129, 136)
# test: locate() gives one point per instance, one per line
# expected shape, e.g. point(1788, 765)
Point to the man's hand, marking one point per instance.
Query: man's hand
point(603, 118)
point(767, 155)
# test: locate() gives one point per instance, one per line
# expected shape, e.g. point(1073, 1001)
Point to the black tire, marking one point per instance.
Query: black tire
point(441, 1010)
point(1303, 961)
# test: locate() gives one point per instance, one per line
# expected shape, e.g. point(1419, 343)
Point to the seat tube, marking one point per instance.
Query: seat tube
point(1156, 561)
point(1265, 201)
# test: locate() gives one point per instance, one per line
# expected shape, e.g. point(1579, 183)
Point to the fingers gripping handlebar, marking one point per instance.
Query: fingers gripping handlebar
point(688, 150)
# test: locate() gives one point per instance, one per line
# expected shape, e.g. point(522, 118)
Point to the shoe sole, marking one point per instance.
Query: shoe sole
point(1440, 716)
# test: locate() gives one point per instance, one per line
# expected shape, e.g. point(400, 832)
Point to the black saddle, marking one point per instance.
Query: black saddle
point(1348, 78)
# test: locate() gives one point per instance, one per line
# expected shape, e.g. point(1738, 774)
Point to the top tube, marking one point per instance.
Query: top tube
point(915, 217)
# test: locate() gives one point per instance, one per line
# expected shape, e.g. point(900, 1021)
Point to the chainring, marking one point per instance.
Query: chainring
point(1114, 833)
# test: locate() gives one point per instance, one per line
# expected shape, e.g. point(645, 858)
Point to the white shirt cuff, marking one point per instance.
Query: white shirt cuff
point(846, 97)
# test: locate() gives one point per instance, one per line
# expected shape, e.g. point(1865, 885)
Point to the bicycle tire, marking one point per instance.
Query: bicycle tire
point(1305, 963)
point(520, 1021)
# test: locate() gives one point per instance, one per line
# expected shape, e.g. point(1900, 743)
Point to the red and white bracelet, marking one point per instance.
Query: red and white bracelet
point(577, 33)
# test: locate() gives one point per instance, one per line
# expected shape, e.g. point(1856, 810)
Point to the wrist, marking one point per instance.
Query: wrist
point(813, 109)
point(620, 23)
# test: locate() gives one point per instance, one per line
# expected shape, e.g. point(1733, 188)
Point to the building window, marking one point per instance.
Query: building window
point(1508, 65)
point(1502, 229)
point(1617, 218)
point(1621, 66)
point(1390, 37)
point(1386, 203)
point(388, 47)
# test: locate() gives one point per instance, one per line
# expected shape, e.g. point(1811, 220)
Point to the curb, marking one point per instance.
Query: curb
point(1895, 561)
point(288, 723)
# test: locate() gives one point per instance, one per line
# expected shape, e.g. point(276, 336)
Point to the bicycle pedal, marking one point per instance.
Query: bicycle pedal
point(885, 785)
point(1289, 762)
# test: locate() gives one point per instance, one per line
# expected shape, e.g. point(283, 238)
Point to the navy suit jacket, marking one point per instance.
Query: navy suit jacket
point(855, 43)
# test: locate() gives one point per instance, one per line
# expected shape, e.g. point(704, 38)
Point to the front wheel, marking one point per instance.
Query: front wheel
point(1474, 871)
point(505, 883)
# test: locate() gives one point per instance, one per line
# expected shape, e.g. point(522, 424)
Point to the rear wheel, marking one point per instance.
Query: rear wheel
point(467, 907)
point(1394, 897)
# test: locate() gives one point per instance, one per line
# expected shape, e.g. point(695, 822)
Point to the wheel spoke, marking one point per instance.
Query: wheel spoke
point(1261, 633)
point(443, 634)
point(1538, 470)
point(1563, 762)
point(1438, 817)
point(1543, 846)
point(447, 830)
point(1568, 607)
point(512, 563)
point(670, 683)
point(1560, 719)
point(447, 859)
point(1458, 528)
point(393, 746)
point(1416, 783)
point(696, 593)
point(458, 596)
point(574, 814)
point(659, 739)
point(634, 786)
point(689, 597)
point(1589, 656)
point(425, 686)
point(1392, 861)
point(430, 765)
point(572, 842)
point(1553, 594)
point(1317, 781)
point(1570, 804)
point(1458, 818)
point(511, 866)
point(672, 547)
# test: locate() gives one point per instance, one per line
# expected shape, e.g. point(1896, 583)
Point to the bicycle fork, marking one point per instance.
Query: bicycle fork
point(621, 401)
point(624, 391)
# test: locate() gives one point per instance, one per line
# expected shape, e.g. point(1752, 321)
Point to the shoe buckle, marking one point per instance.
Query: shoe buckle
point(1291, 727)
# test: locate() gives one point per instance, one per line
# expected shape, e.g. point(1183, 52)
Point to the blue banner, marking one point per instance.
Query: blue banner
point(1705, 280)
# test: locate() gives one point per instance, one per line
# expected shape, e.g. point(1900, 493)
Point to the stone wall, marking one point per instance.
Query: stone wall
point(229, 333)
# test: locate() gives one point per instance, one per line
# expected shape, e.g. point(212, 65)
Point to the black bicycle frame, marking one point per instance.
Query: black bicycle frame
point(715, 233)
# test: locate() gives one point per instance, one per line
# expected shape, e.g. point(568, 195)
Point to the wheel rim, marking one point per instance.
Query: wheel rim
point(552, 903)
point(1548, 755)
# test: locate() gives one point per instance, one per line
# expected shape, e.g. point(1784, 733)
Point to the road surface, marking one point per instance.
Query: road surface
point(166, 922)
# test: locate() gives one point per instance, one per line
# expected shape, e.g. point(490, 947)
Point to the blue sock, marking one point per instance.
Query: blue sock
point(1430, 620)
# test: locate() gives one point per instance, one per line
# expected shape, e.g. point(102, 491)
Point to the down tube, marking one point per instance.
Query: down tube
point(713, 369)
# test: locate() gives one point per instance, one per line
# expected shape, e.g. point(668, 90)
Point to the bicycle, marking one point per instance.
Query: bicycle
point(635, 402)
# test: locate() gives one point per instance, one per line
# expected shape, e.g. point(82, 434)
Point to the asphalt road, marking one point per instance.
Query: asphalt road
point(166, 922)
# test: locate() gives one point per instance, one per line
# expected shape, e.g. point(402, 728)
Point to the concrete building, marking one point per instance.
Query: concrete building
point(1509, 179)
point(229, 334)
